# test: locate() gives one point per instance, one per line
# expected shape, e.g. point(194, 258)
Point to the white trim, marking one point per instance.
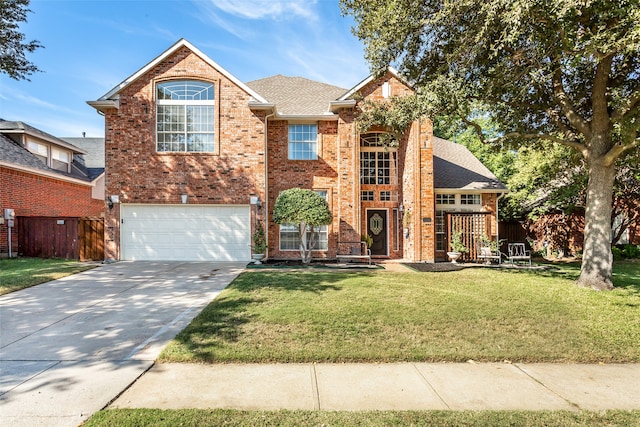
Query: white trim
point(368, 80)
point(105, 105)
point(48, 174)
point(179, 44)
point(308, 117)
point(470, 191)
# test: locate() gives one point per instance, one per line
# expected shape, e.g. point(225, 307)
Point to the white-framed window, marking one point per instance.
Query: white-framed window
point(52, 156)
point(445, 199)
point(377, 162)
point(41, 151)
point(470, 199)
point(367, 196)
point(289, 235)
point(303, 142)
point(440, 231)
point(185, 116)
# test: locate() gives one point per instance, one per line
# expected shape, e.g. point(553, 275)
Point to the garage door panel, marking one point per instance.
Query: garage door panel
point(179, 232)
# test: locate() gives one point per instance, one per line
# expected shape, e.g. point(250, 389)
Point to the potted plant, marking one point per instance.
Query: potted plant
point(367, 239)
point(494, 245)
point(259, 243)
point(457, 247)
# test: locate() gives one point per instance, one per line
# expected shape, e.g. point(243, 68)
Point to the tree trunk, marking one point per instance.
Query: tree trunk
point(597, 259)
point(305, 252)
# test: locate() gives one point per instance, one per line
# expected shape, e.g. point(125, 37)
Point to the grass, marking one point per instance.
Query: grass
point(379, 316)
point(195, 417)
point(20, 273)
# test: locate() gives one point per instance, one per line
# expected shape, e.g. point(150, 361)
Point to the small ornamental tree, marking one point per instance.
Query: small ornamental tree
point(306, 210)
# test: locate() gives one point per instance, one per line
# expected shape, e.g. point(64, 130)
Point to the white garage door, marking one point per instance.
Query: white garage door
point(185, 233)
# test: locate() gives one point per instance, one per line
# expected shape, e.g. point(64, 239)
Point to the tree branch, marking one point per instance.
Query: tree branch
point(617, 150)
point(632, 106)
point(561, 98)
point(573, 144)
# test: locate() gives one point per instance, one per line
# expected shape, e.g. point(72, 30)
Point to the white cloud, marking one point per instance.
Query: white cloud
point(261, 9)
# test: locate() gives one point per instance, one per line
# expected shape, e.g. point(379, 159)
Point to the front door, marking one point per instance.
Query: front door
point(377, 229)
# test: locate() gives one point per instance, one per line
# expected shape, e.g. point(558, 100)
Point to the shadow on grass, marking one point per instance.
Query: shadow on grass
point(221, 322)
point(626, 274)
point(306, 281)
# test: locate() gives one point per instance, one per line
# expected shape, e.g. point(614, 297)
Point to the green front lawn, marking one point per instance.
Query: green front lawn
point(379, 316)
point(218, 417)
point(20, 273)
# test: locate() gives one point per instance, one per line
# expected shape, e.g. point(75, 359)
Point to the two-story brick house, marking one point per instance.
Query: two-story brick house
point(194, 157)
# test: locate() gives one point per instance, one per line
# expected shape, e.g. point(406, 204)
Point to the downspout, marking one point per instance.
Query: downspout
point(266, 181)
point(498, 216)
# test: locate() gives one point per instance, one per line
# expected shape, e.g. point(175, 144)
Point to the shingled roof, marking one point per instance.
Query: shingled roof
point(455, 167)
point(297, 95)
point(13, 153)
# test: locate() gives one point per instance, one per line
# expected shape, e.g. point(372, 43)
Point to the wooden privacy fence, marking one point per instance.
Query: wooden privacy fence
point(61, 237)
point(473, 226)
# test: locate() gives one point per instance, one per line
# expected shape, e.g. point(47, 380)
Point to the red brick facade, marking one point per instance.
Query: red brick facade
point(137, 173)
point(32, 195)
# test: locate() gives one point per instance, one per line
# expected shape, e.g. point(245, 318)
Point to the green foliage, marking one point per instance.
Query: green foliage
point(13, 61)
point(456, 242)
point(562, 71)
point(305, 209)
point(626, 252)
point(259, 239)
point(367, 239)
point(297, 205)
point(395, 115)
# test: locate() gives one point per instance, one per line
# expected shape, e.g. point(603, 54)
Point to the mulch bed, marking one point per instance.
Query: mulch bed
point(437, 267)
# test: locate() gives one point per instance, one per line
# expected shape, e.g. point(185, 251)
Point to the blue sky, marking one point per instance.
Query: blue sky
point(92, 45)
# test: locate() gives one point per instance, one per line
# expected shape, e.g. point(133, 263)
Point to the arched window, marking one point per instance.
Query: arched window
point(377, 160)
point(185, 116)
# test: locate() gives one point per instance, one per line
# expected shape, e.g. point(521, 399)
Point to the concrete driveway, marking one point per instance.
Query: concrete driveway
point(70, 346)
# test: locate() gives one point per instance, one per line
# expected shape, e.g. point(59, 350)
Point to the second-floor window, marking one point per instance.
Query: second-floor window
point(55, 158)
point(303, 142)
point(185, 116)
point(377, 161)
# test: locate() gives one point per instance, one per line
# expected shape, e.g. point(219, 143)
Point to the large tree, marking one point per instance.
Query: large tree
point(306, 210)
point(555, 70)
point(13, 46)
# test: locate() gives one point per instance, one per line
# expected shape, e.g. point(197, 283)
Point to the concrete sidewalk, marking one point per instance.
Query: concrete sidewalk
point(69, 346)
point(397, 386)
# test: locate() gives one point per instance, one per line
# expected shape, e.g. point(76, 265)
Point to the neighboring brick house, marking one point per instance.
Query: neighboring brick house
point(43, 176)
point(194, 157)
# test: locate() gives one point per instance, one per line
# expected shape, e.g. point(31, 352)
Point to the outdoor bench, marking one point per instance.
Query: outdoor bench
point(518, 252)
point(488, 255)
point(353, 251)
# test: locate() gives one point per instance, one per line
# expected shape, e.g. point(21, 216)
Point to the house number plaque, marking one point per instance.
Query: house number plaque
point(375, 224)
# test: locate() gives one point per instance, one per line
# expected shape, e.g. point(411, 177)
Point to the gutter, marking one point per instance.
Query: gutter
point(47, 174)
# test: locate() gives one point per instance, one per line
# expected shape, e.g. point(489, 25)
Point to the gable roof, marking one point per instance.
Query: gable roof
point(372, 77)
point(297, 95)
point(15, 156)
point(456, 168)
point(13, 127)
point(109, 99)
point(94, 148)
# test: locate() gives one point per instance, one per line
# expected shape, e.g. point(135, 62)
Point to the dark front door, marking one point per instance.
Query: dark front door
point(377, 229)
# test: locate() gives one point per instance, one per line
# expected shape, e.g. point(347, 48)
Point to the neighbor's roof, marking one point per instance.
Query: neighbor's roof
point(12, 127)
point(455, 167)
point(94, 148)
point(297, 95)
point(15, 156)
point(11, 152)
